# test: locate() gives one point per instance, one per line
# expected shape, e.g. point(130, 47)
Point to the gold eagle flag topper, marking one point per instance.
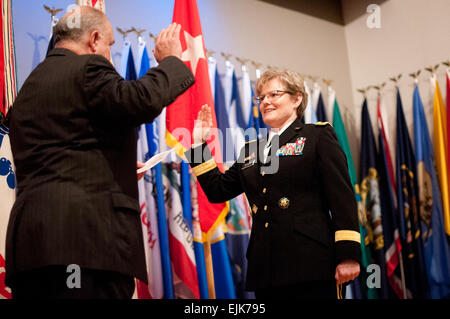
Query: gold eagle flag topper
point(52, 11)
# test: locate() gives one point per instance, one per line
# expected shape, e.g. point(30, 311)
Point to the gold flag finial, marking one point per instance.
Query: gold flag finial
point(327, 82)
point(226, 56)
point(378, 87)
point(314, 79)
point(152, 36)
point(432, 69)
point(137, 32)
point(256, 65)
point(364, 91)
point(52, 11)
point(447, 64)
point(210, 53)
point(415, 75)
point(396, 79)
point(123, 32)
point(242, 61)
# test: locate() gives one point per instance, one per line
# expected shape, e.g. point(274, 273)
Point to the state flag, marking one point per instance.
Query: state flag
point(370, 195)
point(408, 210)
point(440, 150)
point(436, 247)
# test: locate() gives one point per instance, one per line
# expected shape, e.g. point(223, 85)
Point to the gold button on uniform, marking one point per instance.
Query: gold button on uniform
point(265, 207)
point(264, 190)
point(283, 203)
point(266, 225)
point(263, 173)
point(254, 208)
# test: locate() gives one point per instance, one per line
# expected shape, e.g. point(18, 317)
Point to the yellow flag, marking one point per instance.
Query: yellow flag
point(440, 150)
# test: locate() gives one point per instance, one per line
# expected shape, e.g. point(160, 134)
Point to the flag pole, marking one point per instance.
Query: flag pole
point(402, 274)
point(209, 269)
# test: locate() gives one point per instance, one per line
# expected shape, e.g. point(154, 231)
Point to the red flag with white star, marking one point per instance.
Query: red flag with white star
point(183, 112)
point(98, 4)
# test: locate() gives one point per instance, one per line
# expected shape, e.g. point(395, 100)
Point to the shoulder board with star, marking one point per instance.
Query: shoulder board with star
point(323, 124)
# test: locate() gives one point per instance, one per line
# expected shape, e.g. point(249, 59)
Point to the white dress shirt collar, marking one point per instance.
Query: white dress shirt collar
point(275, 131)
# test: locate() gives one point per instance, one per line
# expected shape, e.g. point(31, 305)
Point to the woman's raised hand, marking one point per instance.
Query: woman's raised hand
point(202, 125)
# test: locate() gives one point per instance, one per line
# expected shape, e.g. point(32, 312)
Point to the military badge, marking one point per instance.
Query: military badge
point(292, 148)
point(249, 161)
point(283, 202)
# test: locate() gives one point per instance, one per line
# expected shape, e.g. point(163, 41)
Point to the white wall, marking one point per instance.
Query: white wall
point(247, 29)
point(29, 17)
point(414, 34)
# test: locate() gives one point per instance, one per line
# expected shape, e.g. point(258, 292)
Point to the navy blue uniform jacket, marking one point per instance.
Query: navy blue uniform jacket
point(304, 215)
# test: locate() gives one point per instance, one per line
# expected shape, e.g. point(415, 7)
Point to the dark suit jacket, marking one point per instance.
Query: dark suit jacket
point(293, 238)
point(73, 139)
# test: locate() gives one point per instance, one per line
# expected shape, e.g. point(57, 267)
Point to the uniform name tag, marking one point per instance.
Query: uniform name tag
point(251, 160)
point(249, 164)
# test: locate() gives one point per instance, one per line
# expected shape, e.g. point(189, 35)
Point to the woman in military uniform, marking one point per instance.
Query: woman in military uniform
point(304, 240)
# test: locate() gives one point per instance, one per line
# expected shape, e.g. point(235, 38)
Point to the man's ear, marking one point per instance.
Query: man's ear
point(93, 40)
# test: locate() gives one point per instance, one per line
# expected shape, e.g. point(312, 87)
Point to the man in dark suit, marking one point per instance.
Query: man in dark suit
point(73, 139)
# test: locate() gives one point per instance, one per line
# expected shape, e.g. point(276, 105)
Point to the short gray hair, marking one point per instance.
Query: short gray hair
point(292, 81)
point(90, 19)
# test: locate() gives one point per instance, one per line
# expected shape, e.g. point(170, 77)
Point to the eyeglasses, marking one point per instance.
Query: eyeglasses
point(271, 96)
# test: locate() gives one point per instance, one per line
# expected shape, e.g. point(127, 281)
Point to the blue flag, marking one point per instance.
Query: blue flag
point(408, 210)
point(436, 247)
point(238, 109)
point(223, 278)
point(238, 229)
point(320, 110)
point(223, 124)
point(389, 218)
point(370, 194)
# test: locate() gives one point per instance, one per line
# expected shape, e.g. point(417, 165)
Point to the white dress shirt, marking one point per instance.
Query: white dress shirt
point(273, 132)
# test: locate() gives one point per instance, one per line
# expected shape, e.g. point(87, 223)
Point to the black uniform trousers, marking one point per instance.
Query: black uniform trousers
point(51, 283)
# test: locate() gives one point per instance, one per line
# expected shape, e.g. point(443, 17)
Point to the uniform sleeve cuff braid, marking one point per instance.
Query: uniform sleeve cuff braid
point(350, 235)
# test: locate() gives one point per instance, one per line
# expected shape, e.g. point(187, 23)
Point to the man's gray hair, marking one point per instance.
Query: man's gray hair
point(83, 19)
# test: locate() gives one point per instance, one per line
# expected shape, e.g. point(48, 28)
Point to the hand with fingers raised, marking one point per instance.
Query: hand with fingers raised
point(167, 43)
point(202, 125)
